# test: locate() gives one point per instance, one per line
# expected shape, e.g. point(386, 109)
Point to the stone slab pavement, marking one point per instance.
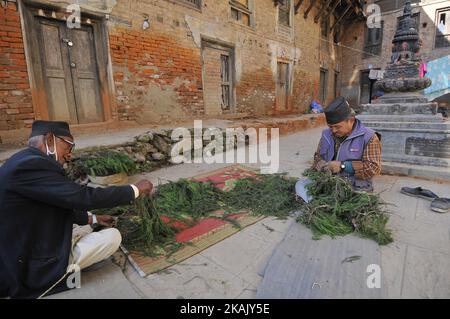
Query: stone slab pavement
point(415, 265)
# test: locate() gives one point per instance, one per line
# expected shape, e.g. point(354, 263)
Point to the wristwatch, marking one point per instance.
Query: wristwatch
point(342, 166)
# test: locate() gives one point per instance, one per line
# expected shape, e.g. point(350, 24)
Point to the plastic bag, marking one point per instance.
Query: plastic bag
point(316, 107)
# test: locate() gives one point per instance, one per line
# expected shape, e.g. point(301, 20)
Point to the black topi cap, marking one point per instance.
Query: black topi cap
point(44, 127)
point(339, 110)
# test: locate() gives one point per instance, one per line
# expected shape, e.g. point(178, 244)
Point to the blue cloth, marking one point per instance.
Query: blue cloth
point(439, 72)
point(316, 107)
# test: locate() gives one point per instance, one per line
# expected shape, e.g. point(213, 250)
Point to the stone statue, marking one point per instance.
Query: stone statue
point(402, 73)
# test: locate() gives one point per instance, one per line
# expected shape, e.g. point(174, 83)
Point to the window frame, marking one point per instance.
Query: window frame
point(336, 83)
point(189, 4)
point(290, 22)
point(397, 4)
point(445, 10)
point(240, 8)
point(228, 83)
point(324, 90)
point(378, 46)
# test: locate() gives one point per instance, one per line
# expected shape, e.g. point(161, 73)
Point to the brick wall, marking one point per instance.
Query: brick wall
point(142, 60)
point(16, 110)
point(256, 92)
point(158, 72)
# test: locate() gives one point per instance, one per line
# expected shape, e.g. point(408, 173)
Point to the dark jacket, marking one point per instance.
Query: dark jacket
point(38, 207)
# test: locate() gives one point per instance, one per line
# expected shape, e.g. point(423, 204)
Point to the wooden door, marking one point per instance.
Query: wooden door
point(70, 72)
point(282, 86)
point(365, 88)
point(56, 71)
point(218, 65)
point(85, 75)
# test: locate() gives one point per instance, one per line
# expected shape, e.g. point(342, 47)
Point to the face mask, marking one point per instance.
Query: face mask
point(53, 154)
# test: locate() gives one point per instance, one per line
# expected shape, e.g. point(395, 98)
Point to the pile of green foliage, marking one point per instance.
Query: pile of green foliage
point(143, 229)
point(336, 209)
point(268, 195)
point(188, 201)
point(108, 162)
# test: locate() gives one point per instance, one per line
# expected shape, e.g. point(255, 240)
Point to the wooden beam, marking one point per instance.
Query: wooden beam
point(311, 4)
point(332, 9)
point(322, 9)
point(298, 5)
point(341, 17)
point(355, 5)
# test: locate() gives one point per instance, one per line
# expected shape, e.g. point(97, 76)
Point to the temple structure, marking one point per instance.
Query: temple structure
point(415, 137)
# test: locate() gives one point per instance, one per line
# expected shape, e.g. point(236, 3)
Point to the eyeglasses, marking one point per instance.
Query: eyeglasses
point(72, 144)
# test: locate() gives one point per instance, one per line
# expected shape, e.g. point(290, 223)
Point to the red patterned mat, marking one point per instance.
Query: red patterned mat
point(206, 232)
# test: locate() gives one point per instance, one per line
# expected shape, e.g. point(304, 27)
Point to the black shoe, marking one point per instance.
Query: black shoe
point(419, 192)
point(441, 205)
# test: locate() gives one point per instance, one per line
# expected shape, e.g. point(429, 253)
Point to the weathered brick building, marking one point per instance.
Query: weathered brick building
point(154, 61)
point(370, 48)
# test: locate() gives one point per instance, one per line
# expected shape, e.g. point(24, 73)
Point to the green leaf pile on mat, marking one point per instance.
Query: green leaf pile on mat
point(337, 210)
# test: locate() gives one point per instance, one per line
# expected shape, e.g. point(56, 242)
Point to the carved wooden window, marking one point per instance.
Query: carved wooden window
point(194, 3)
point(225, 81)
point(323, 86)
point(443, 29)
point(373, 41)
point(389, 5)
point(324, 27)
point(284, 13)
point(241, 11)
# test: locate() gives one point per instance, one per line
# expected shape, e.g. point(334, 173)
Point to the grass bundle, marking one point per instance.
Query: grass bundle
point(108, 162)
point(143, 229)
point(336, 209)
point(269, 195)
point(187, 201)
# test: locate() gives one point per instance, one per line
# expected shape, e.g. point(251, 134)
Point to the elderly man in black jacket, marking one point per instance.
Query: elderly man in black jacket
point(38, 207)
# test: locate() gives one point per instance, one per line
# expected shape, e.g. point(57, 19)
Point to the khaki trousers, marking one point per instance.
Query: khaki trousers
point(90, 247)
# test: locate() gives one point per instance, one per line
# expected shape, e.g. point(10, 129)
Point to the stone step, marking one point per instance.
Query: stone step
point(436, 118)
point(417, 127)
point(420, 171)
point(399, 109)
point(441, 163)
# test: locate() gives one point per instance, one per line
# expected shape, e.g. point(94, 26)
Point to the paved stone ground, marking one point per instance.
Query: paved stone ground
point(416, 265)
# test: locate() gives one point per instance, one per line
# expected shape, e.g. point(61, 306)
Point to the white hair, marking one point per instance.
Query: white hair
point(35, 140)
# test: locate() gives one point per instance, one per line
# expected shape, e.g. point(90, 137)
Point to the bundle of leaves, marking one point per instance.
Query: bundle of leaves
point(269, 195)
point(143, 229)
point(108, 162)
point(187, 201)
point(336, 210)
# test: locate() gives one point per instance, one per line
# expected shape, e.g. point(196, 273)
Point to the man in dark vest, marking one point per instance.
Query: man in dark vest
point(39, 206)
point(348, 148)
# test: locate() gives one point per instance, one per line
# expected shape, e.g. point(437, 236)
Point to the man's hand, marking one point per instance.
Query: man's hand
point(333, 166)
point(320, 166)
point(145, 187)
point(106, 220)
point(103, 220)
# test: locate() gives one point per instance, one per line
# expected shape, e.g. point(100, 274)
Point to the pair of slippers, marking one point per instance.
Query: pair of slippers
point(439, 205)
